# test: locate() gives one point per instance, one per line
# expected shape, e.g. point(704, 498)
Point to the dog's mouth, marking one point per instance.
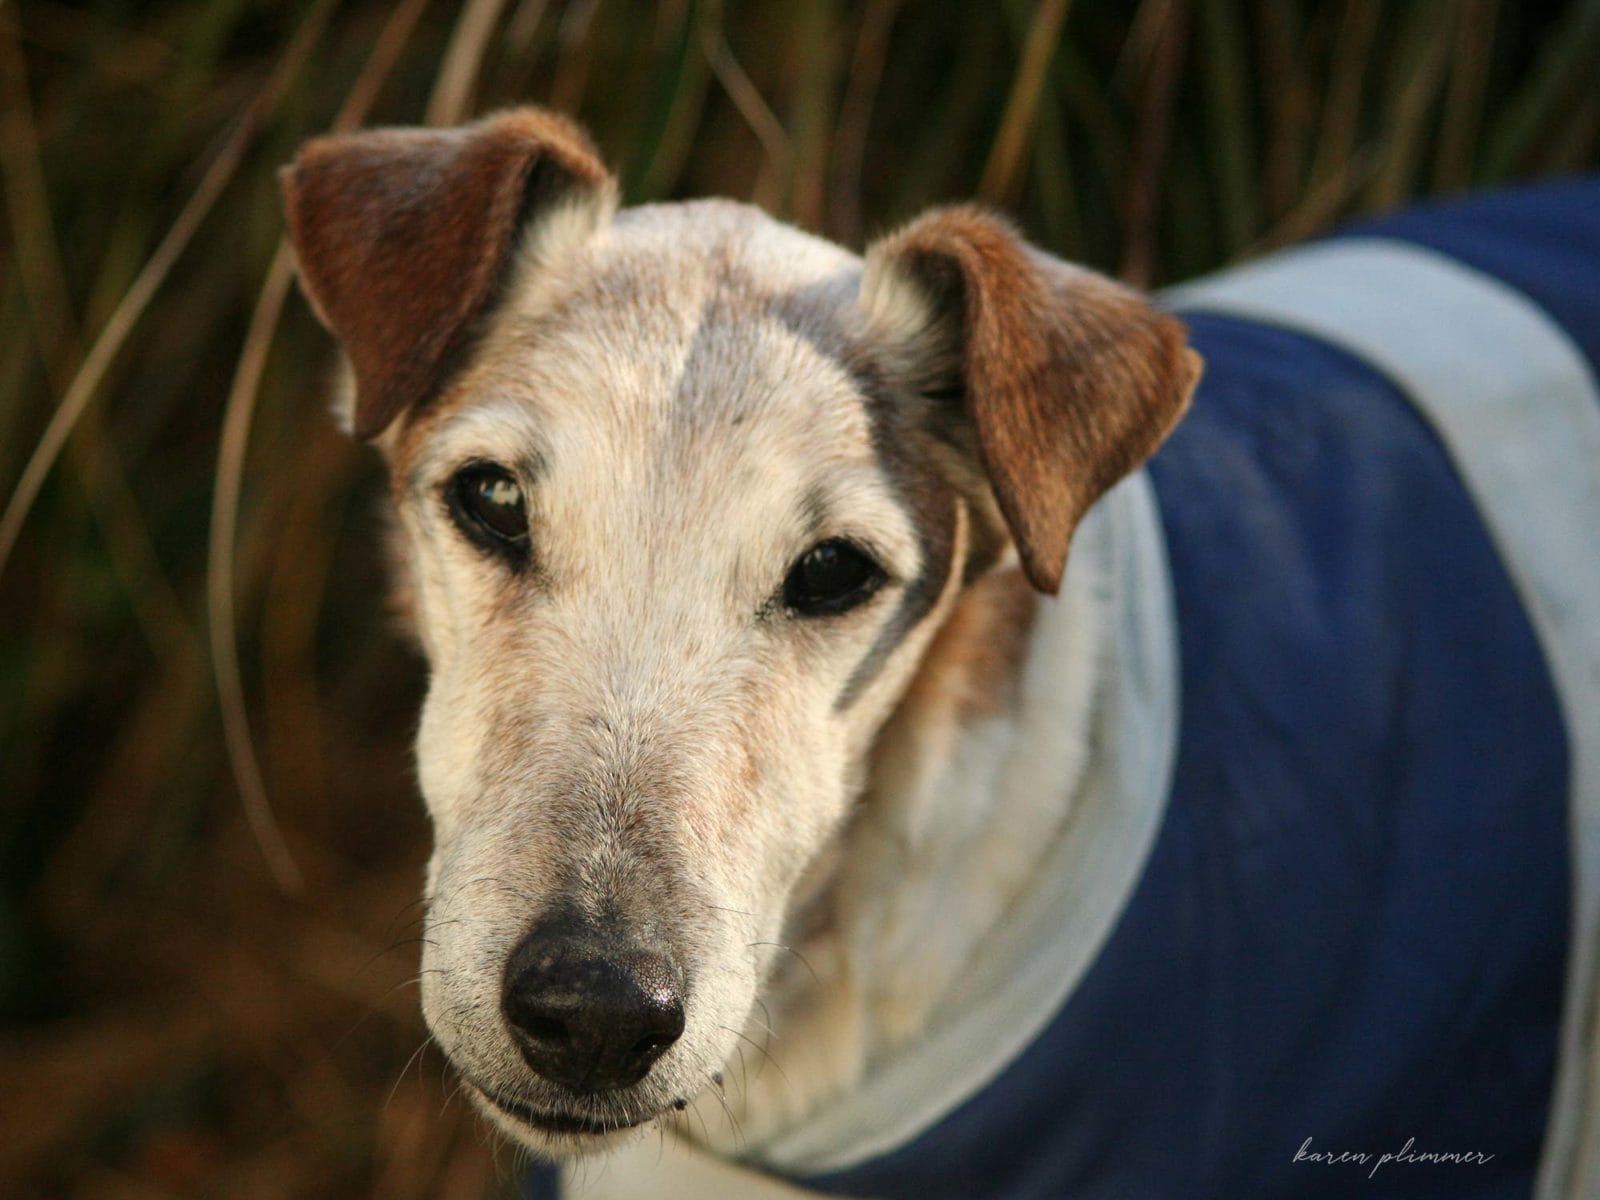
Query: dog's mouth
point(568, 1123)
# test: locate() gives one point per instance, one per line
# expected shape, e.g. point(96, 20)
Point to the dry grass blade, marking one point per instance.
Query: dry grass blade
point(44, 285)
point(463, 60)
point(1166, 23)
point(1230, 160)
point(392, 40)
point(575, 62)
point(34, 241)
point(237, 419)
point(138, 297)
point(1341, 112)
point(1565, 68)
point(1287, 120)
point(747, 99)
point(219, 578)
point(1463, 106)
point(1002, 173)
point(1417, 74)
point(1318, 208)
point(855, 117)
point(812, 109)
point(672, 110)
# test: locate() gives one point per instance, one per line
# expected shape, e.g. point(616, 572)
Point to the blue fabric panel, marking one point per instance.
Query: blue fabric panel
point(1353, 924)
point(1543, 240)
point(542, 1182)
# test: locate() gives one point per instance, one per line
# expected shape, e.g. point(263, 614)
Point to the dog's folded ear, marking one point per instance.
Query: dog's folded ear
point(402, 237)
point(1068, 380)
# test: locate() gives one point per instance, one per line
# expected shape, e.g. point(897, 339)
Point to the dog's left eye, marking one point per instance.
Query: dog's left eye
point(488, 505)
point(829, 578)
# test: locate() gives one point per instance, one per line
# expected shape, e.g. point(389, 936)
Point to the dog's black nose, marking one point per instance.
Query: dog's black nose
point(588, 1014)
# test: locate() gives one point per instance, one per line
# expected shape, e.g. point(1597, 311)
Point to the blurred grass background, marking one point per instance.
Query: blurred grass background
point(196, 1001)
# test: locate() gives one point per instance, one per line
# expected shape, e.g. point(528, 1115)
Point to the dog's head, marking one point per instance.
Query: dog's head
point(682, 495)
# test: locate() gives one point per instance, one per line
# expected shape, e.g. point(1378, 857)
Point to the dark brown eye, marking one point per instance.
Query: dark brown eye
point(829, 578)
point(487, 504)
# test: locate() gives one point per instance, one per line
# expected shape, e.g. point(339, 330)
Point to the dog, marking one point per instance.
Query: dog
point(799, 802)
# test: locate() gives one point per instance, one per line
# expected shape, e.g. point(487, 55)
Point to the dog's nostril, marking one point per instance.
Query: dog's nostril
point(651, 1045)
point(545, 1029)
point(587, 1015)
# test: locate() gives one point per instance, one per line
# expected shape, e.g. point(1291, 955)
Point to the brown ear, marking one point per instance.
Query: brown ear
point(403, 235)
point(1070, 381)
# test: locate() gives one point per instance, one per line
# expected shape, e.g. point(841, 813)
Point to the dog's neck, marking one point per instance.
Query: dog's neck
point(948, 834)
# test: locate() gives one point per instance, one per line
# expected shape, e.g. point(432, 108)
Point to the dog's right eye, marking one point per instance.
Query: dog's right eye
point(488, 506)
point(829, 578)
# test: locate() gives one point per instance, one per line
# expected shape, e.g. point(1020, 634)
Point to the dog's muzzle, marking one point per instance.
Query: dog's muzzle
point(590, 1011)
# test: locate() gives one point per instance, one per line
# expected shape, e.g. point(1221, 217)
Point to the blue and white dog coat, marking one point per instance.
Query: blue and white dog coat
point(1350, 898)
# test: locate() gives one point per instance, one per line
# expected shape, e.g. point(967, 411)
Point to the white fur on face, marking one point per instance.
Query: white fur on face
point(635, 725)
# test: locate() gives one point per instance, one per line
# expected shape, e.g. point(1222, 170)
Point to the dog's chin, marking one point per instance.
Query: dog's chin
point(559, 1134)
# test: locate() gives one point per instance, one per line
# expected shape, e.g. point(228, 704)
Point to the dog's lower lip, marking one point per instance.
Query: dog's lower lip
point(554, 1122)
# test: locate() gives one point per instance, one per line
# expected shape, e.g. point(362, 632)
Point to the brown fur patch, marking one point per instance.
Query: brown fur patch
point(402, 236)
point(1070, 380)
point(973, 664)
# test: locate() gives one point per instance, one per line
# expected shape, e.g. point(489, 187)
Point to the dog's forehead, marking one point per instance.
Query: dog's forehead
point(681, 335)
point(707, 239)
point(696, 312)
point(693, 380)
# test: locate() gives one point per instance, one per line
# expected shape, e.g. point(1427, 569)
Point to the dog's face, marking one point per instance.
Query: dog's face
point(650, 704)
point(682, 496)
